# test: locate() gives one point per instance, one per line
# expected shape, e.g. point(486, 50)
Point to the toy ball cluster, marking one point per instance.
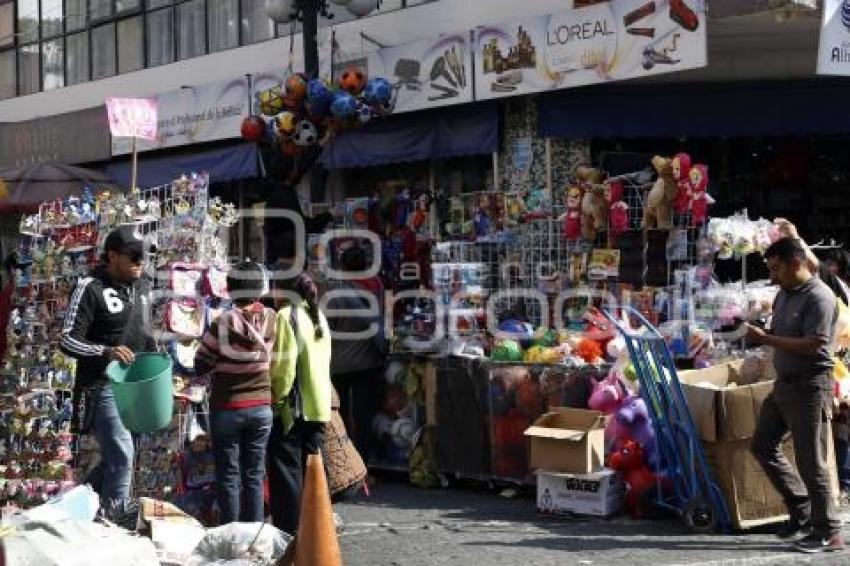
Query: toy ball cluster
point(303, 113)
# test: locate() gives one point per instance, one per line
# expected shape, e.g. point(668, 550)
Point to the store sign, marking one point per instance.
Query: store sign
point(132, 117)
point(195, 115)
point(597, 43)
point(834, 48)
point(427, 74)
point(76, 137)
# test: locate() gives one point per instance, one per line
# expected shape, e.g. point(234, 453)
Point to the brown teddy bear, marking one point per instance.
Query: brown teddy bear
point(594, 208)
point(658, 208)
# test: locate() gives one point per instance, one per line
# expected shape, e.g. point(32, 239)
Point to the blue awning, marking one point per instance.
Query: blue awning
point(229, 163)
point(420, 136)
point(769, 108)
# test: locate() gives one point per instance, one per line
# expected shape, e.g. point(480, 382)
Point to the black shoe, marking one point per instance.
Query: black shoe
point(794, 528)
point(814, 544)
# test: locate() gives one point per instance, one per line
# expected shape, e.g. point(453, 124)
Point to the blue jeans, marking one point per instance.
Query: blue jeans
point(239, 439)
point(112, 476)
point(842, 457)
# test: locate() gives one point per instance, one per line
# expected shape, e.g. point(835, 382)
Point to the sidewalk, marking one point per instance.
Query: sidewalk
point(405, 526)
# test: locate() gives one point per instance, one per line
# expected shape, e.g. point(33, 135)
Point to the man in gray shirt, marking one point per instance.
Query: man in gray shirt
point(801, 334)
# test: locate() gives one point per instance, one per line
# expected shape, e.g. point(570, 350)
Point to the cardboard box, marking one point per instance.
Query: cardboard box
point(600, 494)
point(568, 440)
point(721, 409)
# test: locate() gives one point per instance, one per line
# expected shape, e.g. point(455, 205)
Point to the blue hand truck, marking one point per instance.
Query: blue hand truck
point(690, 489)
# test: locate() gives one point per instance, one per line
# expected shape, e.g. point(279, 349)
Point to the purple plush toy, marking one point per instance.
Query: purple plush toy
point(632, 421)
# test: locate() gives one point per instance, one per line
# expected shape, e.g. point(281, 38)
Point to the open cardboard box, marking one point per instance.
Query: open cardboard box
point(568, 440)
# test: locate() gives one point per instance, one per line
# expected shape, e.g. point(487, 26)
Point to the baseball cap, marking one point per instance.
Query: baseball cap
point(126, 240)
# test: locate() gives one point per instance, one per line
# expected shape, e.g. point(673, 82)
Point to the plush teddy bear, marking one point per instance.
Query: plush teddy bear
point(658, 207)
point(681, 170)
point(618, 210)
point(594, 208)
point(642, 482)
point(700, 199)
point(632, 421)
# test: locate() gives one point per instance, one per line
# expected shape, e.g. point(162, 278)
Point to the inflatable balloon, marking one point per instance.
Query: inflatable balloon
point(344, 106)
point(253, 128)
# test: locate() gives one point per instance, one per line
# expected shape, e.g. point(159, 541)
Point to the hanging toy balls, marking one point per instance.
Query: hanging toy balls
point(253, 128)
point(305, 134)
point(296, 87)
point(319, 93)
point(361, 8)
point(378, 91)
point(353, 80)
point(285, 123)
point(344, 106)
point(271, 101)
point(289, 147)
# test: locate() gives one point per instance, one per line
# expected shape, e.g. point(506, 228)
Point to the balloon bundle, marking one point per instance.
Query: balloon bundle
point(303, 113)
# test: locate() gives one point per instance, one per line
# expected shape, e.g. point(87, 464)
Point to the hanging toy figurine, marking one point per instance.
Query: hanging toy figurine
point(618, 212)
point(681, 165)
point(418, 221)
point(700, 199)
point(572, 217)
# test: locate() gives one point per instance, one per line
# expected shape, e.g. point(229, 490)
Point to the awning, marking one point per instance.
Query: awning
point(420, 136)
point(229, 163)
point(697, 110)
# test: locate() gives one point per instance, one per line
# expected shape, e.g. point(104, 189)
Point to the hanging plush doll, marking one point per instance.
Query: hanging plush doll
point(618, 212)
point(700, 199)
point(572, 218)
point(681, 168)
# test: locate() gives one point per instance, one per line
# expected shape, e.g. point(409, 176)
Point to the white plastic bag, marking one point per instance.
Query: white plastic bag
point(231, 545)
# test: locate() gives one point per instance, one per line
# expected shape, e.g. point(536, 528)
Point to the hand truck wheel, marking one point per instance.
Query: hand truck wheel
point(699, 516)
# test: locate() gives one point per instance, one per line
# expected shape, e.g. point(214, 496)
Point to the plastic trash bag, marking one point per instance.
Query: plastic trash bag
point(79, 504)
point(231, 545)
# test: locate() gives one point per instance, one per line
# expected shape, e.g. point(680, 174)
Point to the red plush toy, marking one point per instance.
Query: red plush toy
point(572, 218)
point(629, 461)
point(700, 199)
point(681, 168)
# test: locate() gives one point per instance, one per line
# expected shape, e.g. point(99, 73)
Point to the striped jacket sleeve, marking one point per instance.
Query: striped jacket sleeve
point(207, 354)
point(78, 321)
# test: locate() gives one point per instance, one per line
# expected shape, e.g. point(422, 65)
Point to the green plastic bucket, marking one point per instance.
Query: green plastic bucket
point(144, 392)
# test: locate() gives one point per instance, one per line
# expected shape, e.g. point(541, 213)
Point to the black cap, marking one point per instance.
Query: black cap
point(126, 240)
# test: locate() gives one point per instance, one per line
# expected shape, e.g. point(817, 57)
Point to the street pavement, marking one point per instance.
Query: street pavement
point(400, 525)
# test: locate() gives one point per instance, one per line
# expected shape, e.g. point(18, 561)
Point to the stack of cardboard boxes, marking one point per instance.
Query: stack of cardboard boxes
point(725, 401)
point(568, 452)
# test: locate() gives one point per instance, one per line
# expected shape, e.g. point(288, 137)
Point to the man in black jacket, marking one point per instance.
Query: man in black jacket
point(104, 323)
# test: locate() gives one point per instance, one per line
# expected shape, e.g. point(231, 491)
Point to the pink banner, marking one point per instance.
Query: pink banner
point(132, 117)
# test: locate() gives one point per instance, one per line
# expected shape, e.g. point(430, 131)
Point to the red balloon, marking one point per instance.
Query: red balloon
point(253, 128)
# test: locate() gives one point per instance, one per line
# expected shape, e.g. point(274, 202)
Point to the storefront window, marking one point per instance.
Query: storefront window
point(7, 74)
point(103, 51)
point(7, 24)
point(53, 64)
point(28, 77)
point(191, 29)
point(77, 51)
point(75, 14)
point(99, 9)
point(256, 25)
point(51, 18)
point(130, 46)
point(27, 21)
point(222, 24)
point(160, 40)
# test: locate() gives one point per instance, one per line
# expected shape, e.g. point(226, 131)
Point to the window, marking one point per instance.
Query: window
point(222, 22)
point(7, 24)
point(52, 16)
point(7, 74)
point(75, 14)
point(256, 25)
point(160, 38)
point(28, 75)
point(130, 45)
point(122, 6)
point(99, 9)
point(27, 21)
point(77, 51)
point(191, 29)
point(103, 51)
point(53, 64)
point(154, 4)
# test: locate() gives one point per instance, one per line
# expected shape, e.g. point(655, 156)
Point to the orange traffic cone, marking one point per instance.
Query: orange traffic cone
point(317, 544)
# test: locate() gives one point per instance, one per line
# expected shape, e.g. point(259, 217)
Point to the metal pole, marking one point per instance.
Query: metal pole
point(135, 164)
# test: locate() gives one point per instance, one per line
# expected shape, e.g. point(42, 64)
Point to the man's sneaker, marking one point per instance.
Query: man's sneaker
point(813, 544)
point(794, 528)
